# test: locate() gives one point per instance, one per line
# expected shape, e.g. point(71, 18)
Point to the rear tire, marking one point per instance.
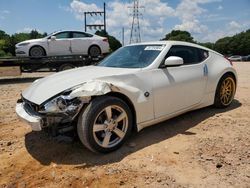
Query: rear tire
point(225, 91)
point(94, 51)
point(37, 51)
point(105, 124)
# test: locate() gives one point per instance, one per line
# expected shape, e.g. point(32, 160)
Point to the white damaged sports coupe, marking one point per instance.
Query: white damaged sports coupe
point(137, 86)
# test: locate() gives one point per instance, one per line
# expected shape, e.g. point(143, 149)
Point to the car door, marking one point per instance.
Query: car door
point(180, 87)
point(80, 42)
point(61, 45)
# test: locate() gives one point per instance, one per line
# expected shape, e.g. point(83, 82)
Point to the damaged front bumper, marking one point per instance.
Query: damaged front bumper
point(41, 117)
point(34, 121)
point(61, 109)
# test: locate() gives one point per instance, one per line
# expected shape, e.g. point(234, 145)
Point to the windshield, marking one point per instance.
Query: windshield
point(137, 56)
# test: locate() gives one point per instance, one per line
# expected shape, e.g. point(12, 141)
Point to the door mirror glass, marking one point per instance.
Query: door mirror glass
point(173, 61)
point(53, 38)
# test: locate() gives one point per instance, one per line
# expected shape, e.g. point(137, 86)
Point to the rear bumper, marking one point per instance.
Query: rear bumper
point(34, 121)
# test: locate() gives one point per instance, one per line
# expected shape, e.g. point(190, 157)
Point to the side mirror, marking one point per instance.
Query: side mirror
point(53, 38)
point(173, 61)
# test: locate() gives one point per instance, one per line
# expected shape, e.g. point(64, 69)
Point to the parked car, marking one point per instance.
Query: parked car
point(246, 58)
point(235, 58)
point(137, 86)
point(64, 43)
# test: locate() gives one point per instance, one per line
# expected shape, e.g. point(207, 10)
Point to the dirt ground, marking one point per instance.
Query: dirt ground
point(204, 148)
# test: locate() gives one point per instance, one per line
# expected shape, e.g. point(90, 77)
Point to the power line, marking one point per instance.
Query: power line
point(135, 35)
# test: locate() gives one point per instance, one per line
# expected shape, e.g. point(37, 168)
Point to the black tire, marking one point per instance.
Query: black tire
point(220, 100)
point(37, 51)
point(65, 66)
point(92, 113)
point(94, 51)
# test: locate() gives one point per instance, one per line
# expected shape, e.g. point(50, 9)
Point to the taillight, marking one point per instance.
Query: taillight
point(105, 40)
point(231, 63)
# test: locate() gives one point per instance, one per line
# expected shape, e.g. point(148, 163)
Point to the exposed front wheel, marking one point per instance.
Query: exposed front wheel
point(105, 124)
point(37, 51)
point(225, 91)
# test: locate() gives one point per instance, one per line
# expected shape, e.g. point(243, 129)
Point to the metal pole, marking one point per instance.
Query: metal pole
point(104, 16)
point(85, 20)
point(123, 36)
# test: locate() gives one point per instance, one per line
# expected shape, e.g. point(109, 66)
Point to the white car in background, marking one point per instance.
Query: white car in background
point(137, 86)
point(64, 43)
point(235, 58)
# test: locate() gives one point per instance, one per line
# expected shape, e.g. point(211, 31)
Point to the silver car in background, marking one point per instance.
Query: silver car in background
point(235, 58)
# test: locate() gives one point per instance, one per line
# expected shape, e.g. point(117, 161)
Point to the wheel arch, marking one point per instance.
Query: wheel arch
point(37, 45)
point(227, 73)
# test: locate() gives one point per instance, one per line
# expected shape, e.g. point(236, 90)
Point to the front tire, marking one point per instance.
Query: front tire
point(37, 51)
point(225, 91)
point(105, 124)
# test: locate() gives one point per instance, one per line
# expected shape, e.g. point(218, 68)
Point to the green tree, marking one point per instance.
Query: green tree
point(34, 34)
point(113, 42)
point(207, 45)
point(238, 44)
point(179, 36)
point(4, 44)
point(3, 35)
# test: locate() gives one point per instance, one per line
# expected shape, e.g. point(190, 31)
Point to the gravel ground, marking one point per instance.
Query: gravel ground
point(204, 148)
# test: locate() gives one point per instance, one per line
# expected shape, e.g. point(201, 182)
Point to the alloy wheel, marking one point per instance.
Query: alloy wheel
point(227, 91)
point(110, 126)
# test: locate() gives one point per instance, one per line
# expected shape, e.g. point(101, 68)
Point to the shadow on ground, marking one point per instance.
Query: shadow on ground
point(18, 80)
point(47, 150)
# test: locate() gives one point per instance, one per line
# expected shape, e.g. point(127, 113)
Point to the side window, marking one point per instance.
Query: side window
point(62, 35)
point(190, 55)
point(79, 35)
point(203, 54)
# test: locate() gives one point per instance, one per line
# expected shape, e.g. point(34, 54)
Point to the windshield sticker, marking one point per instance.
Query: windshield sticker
point(159, 48)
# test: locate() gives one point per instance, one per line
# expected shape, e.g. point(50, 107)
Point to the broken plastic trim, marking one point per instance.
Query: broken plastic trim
point(92, 88)
point(71, 101)
point(63, 104)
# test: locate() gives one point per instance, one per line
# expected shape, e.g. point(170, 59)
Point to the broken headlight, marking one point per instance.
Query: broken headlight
point(62, 104)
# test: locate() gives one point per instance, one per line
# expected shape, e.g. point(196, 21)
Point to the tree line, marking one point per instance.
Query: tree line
point(238, 44)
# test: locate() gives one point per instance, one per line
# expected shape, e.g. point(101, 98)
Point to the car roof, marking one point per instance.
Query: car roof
point(72, 31)
point(173, 42)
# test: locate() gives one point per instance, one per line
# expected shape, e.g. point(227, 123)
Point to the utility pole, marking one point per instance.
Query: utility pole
point(122, 36)
point(135, 35)
point(96, 13)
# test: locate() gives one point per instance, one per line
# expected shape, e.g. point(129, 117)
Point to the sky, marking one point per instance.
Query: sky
point(206, 20)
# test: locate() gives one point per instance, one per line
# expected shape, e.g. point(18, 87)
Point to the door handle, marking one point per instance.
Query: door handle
point(205, 70)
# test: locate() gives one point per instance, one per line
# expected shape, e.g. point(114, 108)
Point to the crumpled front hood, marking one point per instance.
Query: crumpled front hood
point(45, 88)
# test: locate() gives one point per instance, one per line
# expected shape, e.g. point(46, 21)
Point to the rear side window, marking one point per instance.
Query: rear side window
point(190, 55)
point(203, 54)
point(81, 35)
